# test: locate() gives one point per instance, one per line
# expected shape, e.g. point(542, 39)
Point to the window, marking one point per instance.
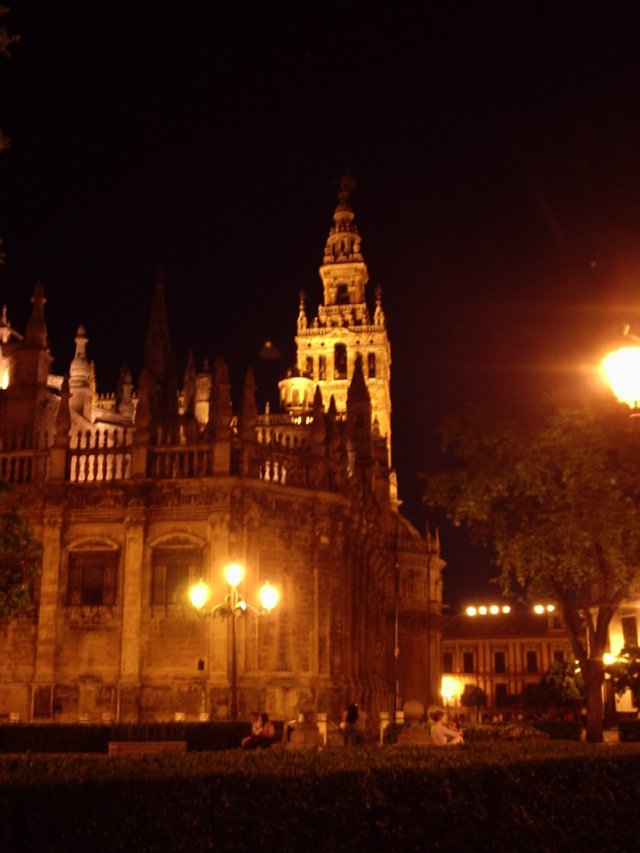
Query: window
point(340, 361)
point(342, 296)
point(558, 656)
point(502, 697)
point(532, 662)
point(371, 365)
point(629, 630)
point(447, 661)
point(309, 365)
point(174, 571)
point(468, 662)
point(92, 578)
point(322, 367)
point(499, 662)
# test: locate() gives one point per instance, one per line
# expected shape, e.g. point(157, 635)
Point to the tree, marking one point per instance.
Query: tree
point(474, 697)
point(625, 673)
point(558, 497)
point(563, 684)
point(20, 558)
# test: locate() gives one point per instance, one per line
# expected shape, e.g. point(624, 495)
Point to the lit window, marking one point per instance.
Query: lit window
point(629, 626)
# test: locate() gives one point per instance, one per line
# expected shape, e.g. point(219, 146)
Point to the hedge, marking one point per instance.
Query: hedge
point(545, 795)
point(87, 738)
point(629, 731)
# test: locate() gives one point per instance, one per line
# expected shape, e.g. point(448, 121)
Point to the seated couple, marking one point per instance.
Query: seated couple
point(441, 734)
point(262, 732)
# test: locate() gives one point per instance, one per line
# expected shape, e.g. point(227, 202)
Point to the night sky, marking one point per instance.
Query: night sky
point(496, 149)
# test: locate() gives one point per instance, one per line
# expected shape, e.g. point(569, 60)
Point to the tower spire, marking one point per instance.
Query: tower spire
point(345, 328)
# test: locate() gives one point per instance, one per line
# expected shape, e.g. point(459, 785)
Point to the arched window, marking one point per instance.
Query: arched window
point(175, 569)
point(371, 365)
point(92, 578)
point(322, 367)
point(340, 361)
point(342, 294)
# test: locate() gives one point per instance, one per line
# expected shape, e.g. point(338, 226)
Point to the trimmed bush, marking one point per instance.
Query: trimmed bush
point(561, 729)
point(526, 796)
point(629, 731)
point(65, 737)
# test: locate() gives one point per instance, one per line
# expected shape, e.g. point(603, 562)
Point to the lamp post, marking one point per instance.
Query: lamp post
point(233, 606)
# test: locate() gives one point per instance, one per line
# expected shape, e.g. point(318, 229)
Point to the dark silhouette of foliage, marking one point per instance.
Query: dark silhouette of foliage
point(20, 558)
point(558, 497)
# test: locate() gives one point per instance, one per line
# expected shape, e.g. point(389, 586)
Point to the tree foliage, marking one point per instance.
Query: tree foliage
point(473, 696)
point(558, 498)
point(564, 684)
point(625, 673)
point(20, 558)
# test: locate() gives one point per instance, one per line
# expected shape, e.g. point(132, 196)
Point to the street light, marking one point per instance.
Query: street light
point(621, 369)
point(233, 606)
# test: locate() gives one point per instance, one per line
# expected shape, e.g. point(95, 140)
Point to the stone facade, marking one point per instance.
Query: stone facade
point(138, 494)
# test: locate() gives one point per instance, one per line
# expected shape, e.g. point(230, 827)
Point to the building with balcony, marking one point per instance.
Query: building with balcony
point(138, 493)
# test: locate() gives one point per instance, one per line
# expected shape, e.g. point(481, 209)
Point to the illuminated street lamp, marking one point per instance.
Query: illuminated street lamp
point(233, 606)
point(621, 369)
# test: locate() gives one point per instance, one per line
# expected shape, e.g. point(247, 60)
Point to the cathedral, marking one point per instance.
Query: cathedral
point(139, 494)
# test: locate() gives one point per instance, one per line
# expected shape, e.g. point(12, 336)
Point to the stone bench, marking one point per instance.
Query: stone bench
point(146, 747)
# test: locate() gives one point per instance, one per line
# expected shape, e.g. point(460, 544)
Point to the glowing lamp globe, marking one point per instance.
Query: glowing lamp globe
point(233, 574)
point(199, 595)
point(621, 369)
point(268, 596)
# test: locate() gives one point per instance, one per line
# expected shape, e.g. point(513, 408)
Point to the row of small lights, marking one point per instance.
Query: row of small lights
point(494, 609)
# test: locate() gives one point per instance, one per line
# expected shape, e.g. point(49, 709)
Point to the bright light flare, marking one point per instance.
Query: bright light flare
point(268, 596)
point(449, 687)
point(199, 595)
point(621, 369)
point(233, 574)
point(471, 611)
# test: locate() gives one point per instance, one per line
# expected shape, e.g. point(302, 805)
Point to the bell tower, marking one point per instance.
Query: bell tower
point(328, 346)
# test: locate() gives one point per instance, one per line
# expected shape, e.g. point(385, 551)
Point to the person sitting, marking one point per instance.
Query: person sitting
point(267, 731)
point(441, 734)
point(252, 740)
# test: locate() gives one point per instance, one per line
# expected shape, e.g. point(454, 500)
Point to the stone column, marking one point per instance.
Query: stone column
point(130, 651)
point(47, 634)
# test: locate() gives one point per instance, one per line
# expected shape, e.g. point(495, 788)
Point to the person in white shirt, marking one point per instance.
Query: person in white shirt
point(441, 735)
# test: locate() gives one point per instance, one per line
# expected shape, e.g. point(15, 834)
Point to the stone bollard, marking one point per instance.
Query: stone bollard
point(306, 734)
point(415, 733)
point(384, 722)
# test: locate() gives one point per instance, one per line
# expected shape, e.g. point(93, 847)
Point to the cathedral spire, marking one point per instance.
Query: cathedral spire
point(36, 331)
point(159, 360)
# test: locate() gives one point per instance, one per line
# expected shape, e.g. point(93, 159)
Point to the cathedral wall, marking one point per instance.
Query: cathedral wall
point(116, 638)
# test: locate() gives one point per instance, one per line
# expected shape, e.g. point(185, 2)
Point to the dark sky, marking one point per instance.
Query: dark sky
point(496, 149)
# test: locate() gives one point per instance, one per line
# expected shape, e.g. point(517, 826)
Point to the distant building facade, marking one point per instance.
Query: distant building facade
point(140, 493)
point(501, 653)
